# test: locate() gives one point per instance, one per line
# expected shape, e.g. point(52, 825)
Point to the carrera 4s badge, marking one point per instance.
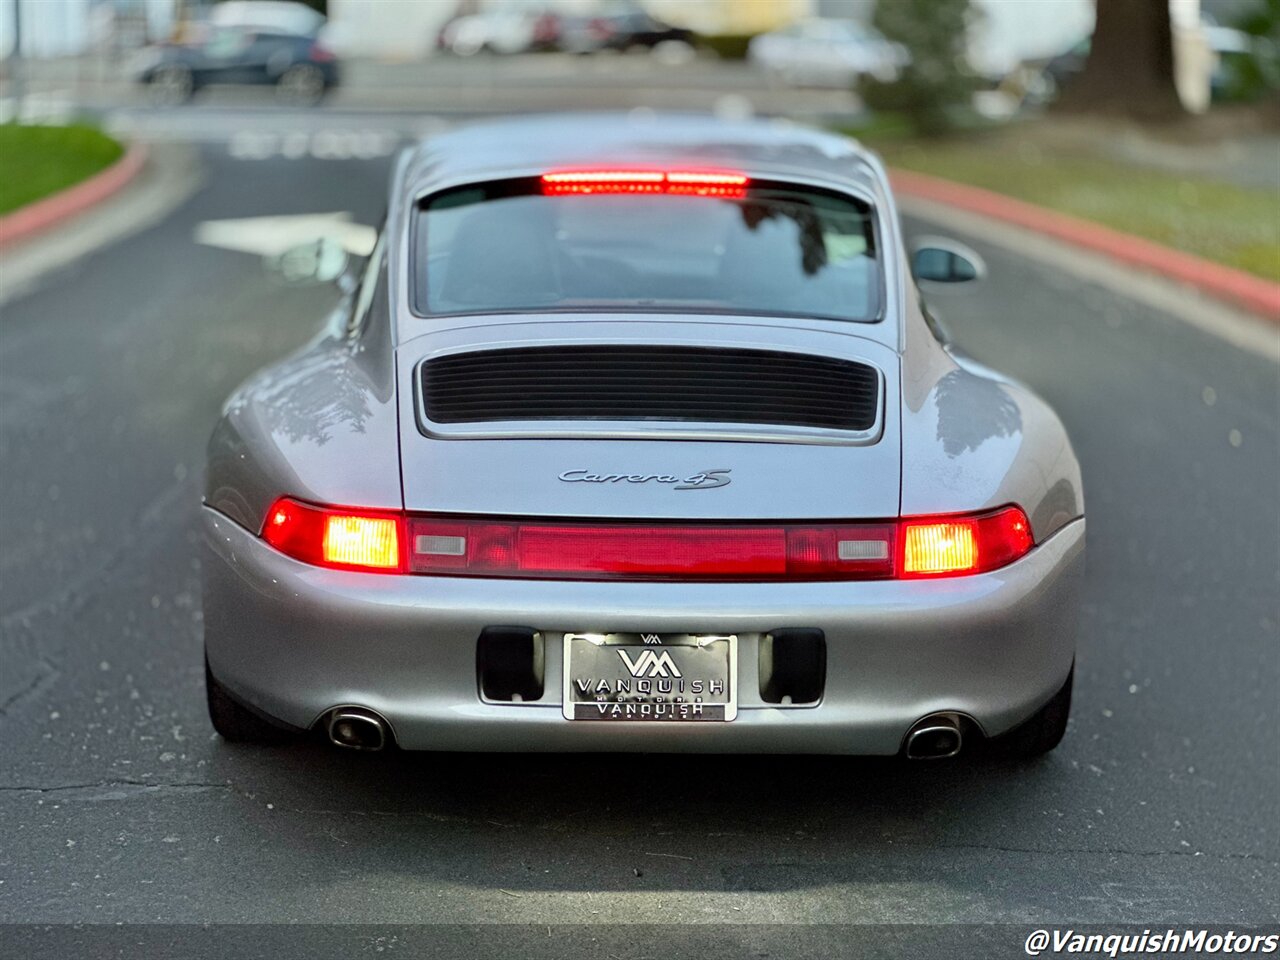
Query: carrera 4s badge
point(705, 480)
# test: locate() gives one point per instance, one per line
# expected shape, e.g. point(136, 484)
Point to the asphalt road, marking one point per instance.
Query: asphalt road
point(118, 803)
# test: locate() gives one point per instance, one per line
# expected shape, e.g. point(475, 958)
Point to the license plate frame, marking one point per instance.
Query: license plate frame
point(669, 695)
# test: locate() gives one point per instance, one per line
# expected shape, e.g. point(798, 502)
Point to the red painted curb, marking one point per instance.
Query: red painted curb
point(45, 213)
point(1243, 289)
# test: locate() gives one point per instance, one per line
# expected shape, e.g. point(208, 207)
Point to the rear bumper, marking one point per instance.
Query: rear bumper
point(294, 641)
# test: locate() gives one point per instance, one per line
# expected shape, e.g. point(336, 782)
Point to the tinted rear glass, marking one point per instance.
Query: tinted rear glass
point(776, 250)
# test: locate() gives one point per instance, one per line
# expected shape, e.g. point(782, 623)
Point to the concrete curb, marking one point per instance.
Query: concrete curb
point(1235, 286)
point(54, 209)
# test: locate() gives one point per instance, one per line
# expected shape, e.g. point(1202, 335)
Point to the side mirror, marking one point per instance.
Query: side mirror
point(939, 260)
point(324, 260)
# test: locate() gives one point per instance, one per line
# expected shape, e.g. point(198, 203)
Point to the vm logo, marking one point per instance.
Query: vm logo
point(650, 664)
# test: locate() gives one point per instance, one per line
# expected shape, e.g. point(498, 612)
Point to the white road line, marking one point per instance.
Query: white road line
point(273, 235)
point(252, 145)
point(329, 143)
point(293, 136)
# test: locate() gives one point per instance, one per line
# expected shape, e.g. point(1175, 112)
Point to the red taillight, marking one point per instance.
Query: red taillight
point(603, 181)
point(700, 183)
point(546, 29)
point(911, 548)
point(697, 184)
point(948, 546)
point(335, 537)
point(694, 552)
point(321, 54)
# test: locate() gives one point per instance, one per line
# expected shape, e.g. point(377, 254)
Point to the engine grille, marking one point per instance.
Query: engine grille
point(655, 383)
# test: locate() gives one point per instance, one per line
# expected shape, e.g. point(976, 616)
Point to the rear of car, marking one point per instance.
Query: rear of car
point(652, 428)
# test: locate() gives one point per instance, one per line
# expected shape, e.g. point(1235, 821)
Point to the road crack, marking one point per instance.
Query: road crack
point(82, 588)
point(46, 674)
point(1089, 851)
point(133, 786)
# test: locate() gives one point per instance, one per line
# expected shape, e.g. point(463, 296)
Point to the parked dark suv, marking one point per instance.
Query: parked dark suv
point(622, 31)
point(297, 65)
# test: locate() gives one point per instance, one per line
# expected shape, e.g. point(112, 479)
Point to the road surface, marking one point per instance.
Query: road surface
point(119, 804)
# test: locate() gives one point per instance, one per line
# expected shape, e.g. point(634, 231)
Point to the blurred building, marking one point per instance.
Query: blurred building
point(48, 29)
point(732, 17)
point(1008, 32)
point(1011, 31)
point(61, 28)
point(370, 28)
point(381, 29)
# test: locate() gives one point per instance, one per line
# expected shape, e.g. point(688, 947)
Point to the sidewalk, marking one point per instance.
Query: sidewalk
point(485, 84)
point(170, 175)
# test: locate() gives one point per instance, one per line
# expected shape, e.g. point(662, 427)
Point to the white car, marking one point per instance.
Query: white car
point(273, 16)
point(498, 31)
point(828, 53)
point(636, 437)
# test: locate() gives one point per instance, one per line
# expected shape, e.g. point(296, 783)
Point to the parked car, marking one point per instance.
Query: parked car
point(826, 52)
point(654, 453)
point(299, 66)
point(505, 31)
point(628, 30)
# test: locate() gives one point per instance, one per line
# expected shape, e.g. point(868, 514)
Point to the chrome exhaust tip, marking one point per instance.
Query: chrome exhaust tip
point(936, 737)
point(356, 728)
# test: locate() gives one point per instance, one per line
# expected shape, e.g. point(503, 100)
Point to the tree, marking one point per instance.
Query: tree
point(1256, 75)
point(1130, 66)
point(937, 82)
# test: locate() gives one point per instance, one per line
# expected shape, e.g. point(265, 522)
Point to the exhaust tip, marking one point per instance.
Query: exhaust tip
point(934, 738)
point(356, 728)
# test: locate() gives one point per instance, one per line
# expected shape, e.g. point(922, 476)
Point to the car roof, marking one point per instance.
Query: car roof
point(494, 150)
point(766, 149)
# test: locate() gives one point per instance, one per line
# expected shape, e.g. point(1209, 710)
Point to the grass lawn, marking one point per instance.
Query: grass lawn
point(37, 161)
point(1235, 225)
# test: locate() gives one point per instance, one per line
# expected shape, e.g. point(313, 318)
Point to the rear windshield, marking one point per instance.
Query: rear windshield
point(770, 249)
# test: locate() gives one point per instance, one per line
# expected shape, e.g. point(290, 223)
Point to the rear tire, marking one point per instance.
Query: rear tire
point(1040, 734)
point(302, 85)
point(171, 85)
point(236, 723)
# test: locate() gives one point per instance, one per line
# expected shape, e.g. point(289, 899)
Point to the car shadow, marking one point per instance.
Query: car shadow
point(607, 821)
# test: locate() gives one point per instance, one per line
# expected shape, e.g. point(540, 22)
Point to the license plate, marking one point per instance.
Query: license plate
point(650, 676)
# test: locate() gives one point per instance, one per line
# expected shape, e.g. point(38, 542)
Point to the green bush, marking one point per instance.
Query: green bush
point(1252, 76)
point(938, 82)
point(727, 46)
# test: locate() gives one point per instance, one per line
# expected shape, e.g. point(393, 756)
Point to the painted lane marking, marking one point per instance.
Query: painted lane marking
point(272, 236)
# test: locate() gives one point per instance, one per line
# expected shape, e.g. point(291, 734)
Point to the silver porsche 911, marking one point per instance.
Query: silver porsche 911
point(634, 434)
